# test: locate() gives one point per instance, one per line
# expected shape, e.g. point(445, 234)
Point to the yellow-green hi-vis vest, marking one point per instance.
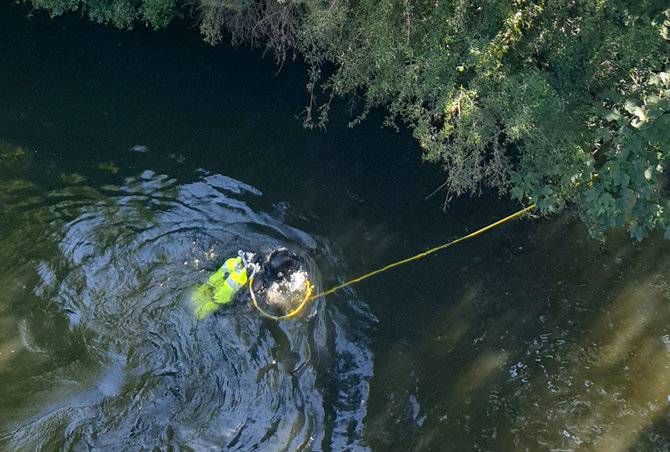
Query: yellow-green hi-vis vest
point(219, 288)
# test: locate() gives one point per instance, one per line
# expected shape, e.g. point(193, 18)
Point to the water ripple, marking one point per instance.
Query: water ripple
point(128, 367)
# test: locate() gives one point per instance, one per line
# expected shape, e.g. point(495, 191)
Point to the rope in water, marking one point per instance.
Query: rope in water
point(309, 295)
point(293, 313)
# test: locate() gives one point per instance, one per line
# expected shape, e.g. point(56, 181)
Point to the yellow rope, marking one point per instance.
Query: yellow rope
point(309, 297)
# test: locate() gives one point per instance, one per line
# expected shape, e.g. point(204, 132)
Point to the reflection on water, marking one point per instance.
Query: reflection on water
point(559, 344)
point(562, 347)
point(100, 351)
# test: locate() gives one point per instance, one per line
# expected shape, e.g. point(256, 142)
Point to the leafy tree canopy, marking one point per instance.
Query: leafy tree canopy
point(549, 101)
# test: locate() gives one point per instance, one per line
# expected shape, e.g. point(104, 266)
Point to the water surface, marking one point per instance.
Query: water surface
point(148, 158)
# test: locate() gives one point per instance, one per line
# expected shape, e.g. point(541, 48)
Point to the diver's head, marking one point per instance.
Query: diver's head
point(281, 263)
point(276, 267)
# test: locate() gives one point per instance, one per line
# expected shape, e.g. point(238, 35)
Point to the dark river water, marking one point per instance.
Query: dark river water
point(132, 164)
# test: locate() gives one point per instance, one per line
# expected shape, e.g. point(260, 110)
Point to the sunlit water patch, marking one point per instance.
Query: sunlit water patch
point(562, 347)
point(100, 349)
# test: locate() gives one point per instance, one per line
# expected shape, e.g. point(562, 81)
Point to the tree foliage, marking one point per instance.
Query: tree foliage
point(120, 13)
point(550, 101)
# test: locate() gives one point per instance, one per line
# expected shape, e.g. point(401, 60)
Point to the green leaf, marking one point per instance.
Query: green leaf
point(636, 232)
point(514, 177)
point(604, 134)
point(611, 95)
point(630, 106)
point(620, 178)
point(654, 80)
point(634, 144)
point(591, 195)
point(613, 115)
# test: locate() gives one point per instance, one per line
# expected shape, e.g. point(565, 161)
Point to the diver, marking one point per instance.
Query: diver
point(275, 275)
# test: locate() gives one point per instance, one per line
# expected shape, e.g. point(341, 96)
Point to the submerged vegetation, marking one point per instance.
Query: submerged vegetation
point(552, 102)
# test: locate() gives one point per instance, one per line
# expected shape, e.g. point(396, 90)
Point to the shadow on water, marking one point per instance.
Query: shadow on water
point(560, 345)
point(100, 350)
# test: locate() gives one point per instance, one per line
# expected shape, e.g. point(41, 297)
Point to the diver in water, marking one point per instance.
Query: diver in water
point(280, 272)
